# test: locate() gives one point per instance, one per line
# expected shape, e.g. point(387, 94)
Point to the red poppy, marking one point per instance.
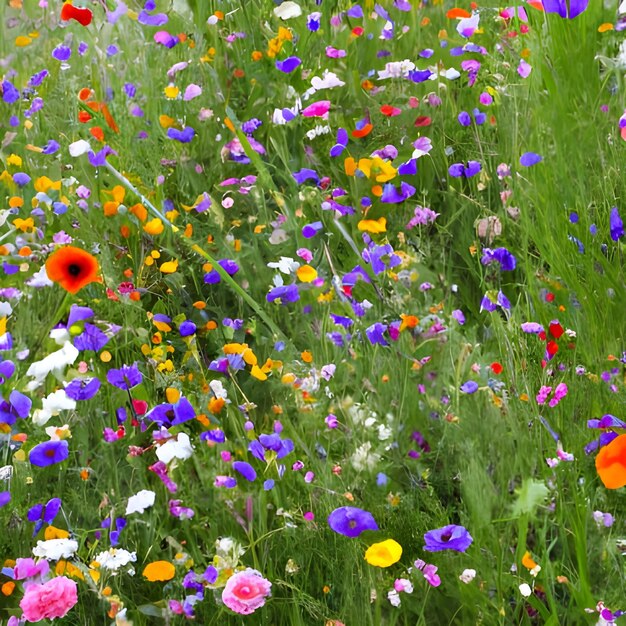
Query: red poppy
point(389, 110)
point(457, 14)
point(70, 12)
point(72, 268)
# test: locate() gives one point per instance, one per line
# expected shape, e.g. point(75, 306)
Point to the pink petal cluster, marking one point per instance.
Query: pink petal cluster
point(49, 600)
point(246, 591)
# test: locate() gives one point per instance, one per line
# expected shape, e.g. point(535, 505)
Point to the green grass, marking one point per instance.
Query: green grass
point(486, 468)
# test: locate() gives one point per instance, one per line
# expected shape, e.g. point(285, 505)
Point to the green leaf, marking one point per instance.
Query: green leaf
point(531, 495)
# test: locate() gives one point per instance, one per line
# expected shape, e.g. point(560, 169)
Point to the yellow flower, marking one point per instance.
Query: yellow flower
point(14, 159)
point(169, 267)
point(159, 571)
point(373, 226)
point(52, 532)
point(171, 91)
point(384, 553)
point(306, 273)
point(154, 226)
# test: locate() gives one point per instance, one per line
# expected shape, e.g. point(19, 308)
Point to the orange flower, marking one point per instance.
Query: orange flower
point(72, 268)
point(159, 571)
point(611, 463)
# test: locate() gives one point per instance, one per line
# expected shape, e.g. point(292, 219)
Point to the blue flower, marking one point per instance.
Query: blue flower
point(616, 225)
point(49, 453)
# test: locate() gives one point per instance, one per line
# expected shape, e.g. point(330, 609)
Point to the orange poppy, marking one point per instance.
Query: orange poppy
point(72, 268)
point(611, 463)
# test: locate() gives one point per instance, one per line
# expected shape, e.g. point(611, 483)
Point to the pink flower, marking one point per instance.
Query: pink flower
point(317, 109)
point(52, 599)
point(246, 591)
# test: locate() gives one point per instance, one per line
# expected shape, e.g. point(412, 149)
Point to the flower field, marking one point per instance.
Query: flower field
point(312, 312)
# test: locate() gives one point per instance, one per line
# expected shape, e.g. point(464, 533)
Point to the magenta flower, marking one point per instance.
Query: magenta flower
point(246, 591)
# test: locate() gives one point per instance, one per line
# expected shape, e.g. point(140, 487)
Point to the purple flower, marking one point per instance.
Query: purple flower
point(469, 387)
point(51, 147)
point(288, 65)
point(82, 388)
point(10, 93)
point(92, 338)
point(7, 369)
point(158, 19)
point(184, 136)
point(181, 512)
point(392, 195)
point(565, 8)
point(616, 225)
point(187, 328)
point(98, 159)
point(273, 442)
point(41, 513)
point(310, 230)
point(5, 498)
point(500, 255)
point(49, 453)
point(464, 118)
point(450, 537)
point(245, 469)
point(458, 170)
point(21, 179)
point(284, 293)
point(306, 174)
point(529, 159)
point(351, 521)
point(62, 53)
point(375, 334)
point(127, 377)
point(18, 405)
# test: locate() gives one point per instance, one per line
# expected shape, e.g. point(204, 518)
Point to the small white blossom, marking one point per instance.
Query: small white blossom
point(55, 549)
point(140, 501)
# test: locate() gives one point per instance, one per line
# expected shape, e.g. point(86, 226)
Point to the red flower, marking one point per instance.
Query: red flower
point(72, 268)
point(70, 12)
point(423, 120)
point(390, 111)
point(556, 330)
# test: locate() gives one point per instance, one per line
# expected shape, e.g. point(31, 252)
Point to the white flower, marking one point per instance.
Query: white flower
point(384, 432)
point(317, 131)
point(287, 10)
point(525, 590)
point(364, 459)
point(394, 597)
point(467, 576)
point(79, 148)
point(60, 335)
point(55, 549)
point(53, 404)
point(56, 433)
point(218, 389)
point(114, 558)
point(179, 448)
point(39, 279)
point(452, 73)
point(5, 309)
point(286, 265)
point(140, 501)
point(54, 362)
point(397, 69)
point(328, 81)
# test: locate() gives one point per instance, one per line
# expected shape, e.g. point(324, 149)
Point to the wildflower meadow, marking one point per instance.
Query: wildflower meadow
point(312, 312)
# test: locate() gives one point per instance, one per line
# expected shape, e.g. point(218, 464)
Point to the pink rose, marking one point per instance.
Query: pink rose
point(246, 591)
point(52, 599)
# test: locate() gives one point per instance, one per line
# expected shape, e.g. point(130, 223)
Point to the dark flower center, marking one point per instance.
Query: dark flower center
point(352, 523)
point(446, 536)
point(49, 453)
point(74, 269)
